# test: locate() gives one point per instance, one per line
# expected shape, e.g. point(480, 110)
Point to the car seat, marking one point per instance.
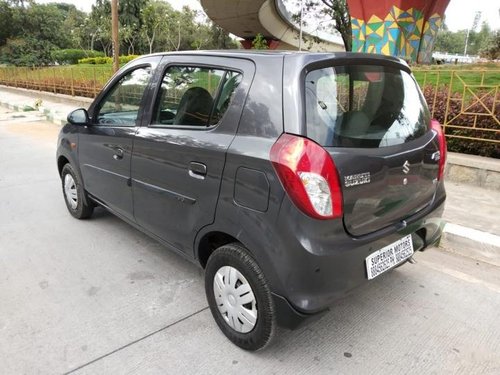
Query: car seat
point(194, 108)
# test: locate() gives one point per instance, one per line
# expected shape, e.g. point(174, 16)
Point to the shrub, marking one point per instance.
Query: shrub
point(128, 58)
point(106, 60)
point(72, 56)
point(466, 146)
point(96, 60)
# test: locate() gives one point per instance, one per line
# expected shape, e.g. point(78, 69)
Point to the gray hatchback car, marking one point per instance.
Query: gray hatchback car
point(291, 178)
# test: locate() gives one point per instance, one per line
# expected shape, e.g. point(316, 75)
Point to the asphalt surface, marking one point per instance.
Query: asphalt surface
point(98, 297)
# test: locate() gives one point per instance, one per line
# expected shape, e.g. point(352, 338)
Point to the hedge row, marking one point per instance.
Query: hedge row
point(106, 60)
point(72, 56)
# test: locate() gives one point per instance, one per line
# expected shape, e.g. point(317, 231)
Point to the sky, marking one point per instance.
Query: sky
point(459, 14)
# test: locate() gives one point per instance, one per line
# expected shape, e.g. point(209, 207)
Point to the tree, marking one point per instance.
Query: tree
point(220, 39)
point(34, 31)
point(5, 22)
point(184, 25)
point(73, 22)
point(27, 51)
point(130, 20)
point(454, 42)
point(334, 11)
point(130, 36)
point(99, 22)
point(31, 33)
point(154, 15)
point(338, 10)
point(481, 39)
point(450, 42)
point(492, 48)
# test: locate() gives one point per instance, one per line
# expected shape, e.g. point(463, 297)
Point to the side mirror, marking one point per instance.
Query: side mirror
point(79, 116)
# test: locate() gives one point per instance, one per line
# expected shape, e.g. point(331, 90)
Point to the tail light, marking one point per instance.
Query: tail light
point(309, 176)
point(442, 147)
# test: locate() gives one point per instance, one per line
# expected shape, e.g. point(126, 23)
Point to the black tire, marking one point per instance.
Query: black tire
point(84, 206)
point(236, 256)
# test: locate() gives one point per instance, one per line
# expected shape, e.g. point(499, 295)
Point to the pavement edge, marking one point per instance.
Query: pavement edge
point(471, 243)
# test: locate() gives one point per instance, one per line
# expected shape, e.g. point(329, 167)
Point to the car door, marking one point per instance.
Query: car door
point(179, 152)
point(105, 145)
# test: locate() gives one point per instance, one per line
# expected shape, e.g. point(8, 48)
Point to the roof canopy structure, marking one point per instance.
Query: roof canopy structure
point(247, 18)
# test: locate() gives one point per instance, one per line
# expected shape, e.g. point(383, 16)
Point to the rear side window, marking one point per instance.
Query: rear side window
point(194, 96)
point(364, 106)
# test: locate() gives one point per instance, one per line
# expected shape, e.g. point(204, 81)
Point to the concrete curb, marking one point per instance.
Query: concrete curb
point(17, 108)
point(80, 101)
point(54, 116)
point(33, 97)
point(49, 115)
point(473, 170)
point(471, 243)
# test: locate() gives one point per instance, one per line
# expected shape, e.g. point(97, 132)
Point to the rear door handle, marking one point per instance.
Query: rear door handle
point(118, 155)
point(197, 170)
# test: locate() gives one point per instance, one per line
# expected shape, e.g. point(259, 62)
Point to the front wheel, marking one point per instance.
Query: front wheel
point(74, 194)
point(239, 297)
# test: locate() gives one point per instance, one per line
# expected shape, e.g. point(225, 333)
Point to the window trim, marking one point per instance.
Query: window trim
point(156, 98)
point(105, 94)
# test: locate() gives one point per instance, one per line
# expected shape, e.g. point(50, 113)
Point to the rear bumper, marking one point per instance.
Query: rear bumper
point(318, 263)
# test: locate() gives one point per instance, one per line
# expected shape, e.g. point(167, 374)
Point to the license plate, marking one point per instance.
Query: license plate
point(391, 255)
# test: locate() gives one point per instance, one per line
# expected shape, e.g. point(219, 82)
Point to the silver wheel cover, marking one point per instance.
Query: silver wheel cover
point(235, 299)
point(70, 191)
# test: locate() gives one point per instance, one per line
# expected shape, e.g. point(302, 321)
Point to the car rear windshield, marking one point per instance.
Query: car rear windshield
point(364, 106)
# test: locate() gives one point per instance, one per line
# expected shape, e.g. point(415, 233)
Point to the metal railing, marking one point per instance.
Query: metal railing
point(76, 80)
point(466, 102)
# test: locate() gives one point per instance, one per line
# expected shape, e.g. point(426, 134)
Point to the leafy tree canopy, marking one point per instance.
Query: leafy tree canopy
point(30, 33)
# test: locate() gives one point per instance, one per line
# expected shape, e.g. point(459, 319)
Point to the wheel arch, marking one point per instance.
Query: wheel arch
point(209, 242)
point(61, 162)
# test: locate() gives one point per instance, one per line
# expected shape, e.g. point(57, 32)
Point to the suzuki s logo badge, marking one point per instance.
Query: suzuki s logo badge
point(406, 167)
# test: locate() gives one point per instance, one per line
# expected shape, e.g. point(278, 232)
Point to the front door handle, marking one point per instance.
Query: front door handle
point(197, 170)
point(118, 155)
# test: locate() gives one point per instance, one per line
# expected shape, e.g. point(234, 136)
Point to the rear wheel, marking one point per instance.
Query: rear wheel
point(74, 194)
point(239, 297)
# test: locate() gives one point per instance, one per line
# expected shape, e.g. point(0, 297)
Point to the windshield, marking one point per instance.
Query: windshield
point(365, 106)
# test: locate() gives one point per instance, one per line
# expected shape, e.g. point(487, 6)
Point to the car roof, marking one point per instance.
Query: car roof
point(304, 56)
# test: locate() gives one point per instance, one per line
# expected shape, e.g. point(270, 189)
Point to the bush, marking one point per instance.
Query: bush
point(128, 58)
point(466, 146)
point(72, 56)
point(106, 60)
point(26, 51)
point(96, 60)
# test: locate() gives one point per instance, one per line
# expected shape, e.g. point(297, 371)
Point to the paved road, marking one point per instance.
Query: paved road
point(97, 296)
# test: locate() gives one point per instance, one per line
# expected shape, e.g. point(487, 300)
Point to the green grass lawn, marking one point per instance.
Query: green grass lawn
point(484, 74)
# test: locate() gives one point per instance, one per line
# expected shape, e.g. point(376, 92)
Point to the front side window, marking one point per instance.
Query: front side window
point(365, 106)
point(121, 105)
point(194, 96)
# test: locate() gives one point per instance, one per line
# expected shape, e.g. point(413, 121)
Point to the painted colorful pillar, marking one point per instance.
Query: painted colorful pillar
point(402, 28)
